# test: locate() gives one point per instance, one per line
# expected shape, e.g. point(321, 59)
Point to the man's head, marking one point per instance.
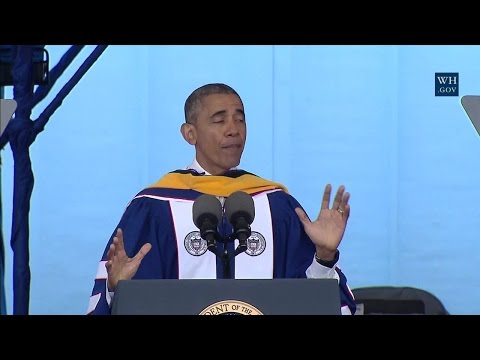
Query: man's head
point(215, 125)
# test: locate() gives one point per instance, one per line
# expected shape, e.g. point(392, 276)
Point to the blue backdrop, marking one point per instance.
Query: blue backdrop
point(363, 116)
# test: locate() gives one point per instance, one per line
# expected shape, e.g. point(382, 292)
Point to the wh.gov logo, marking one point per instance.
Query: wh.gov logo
point(446, 84)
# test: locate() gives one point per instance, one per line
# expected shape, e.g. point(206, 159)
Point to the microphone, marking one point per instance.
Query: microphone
point(207, 213)
point(240, 212)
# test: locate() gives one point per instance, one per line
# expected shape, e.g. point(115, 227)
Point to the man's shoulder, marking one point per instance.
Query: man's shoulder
point(280, 195)
point(166, 194)
point(158, 191)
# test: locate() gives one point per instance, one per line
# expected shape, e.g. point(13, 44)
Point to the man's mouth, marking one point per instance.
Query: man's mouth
point(232, 146)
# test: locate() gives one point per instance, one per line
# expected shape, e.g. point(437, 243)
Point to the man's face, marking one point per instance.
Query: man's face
point(219, 133)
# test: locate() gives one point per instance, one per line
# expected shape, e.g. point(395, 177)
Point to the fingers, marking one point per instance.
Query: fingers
point(344, 201)
point(347, 212)
point(119, 237)
point(340, 202)
point(142, 252)
point(110, 256)
point(344, 207)
point(302, 216)
point(111, 251)
point(326, 197)
point(115, 247)
point(338, 198)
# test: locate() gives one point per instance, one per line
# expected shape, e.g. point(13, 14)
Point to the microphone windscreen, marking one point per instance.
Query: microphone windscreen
point(206, 206)
point(238, 204)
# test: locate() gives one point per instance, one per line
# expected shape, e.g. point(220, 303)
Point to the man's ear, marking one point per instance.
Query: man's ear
point(189, 133)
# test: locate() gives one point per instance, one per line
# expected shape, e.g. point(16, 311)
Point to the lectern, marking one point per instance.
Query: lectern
point(227, 297)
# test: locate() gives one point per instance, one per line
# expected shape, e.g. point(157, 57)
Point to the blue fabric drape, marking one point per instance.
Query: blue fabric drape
point(21, 132)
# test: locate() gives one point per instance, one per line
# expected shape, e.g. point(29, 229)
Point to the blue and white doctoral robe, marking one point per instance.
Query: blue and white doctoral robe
point(162, 216)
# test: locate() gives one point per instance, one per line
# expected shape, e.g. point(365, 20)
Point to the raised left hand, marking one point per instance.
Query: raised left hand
point(326, 232)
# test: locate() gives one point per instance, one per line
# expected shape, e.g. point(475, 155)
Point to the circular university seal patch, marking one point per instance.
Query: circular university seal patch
point(194, 244)
point(256, 244)
point(230, 307)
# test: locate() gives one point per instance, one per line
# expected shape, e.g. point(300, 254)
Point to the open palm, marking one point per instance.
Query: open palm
point(326, 232)
point(119, 265)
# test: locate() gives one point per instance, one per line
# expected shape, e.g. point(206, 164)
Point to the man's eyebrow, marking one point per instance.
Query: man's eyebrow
point(223, 112)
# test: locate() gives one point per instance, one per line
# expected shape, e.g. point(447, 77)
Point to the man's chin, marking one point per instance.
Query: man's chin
point(232, 164)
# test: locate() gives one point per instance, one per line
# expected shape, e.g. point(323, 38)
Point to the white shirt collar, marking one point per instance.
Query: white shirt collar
point(196, 166)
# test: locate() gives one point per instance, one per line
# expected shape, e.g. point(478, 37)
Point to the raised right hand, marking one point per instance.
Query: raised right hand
point(119, 265)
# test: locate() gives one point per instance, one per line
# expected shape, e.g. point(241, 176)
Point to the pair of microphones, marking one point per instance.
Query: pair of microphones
point(239, 211)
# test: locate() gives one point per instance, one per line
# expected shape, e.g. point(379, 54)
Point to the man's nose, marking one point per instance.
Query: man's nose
point(232, 128)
